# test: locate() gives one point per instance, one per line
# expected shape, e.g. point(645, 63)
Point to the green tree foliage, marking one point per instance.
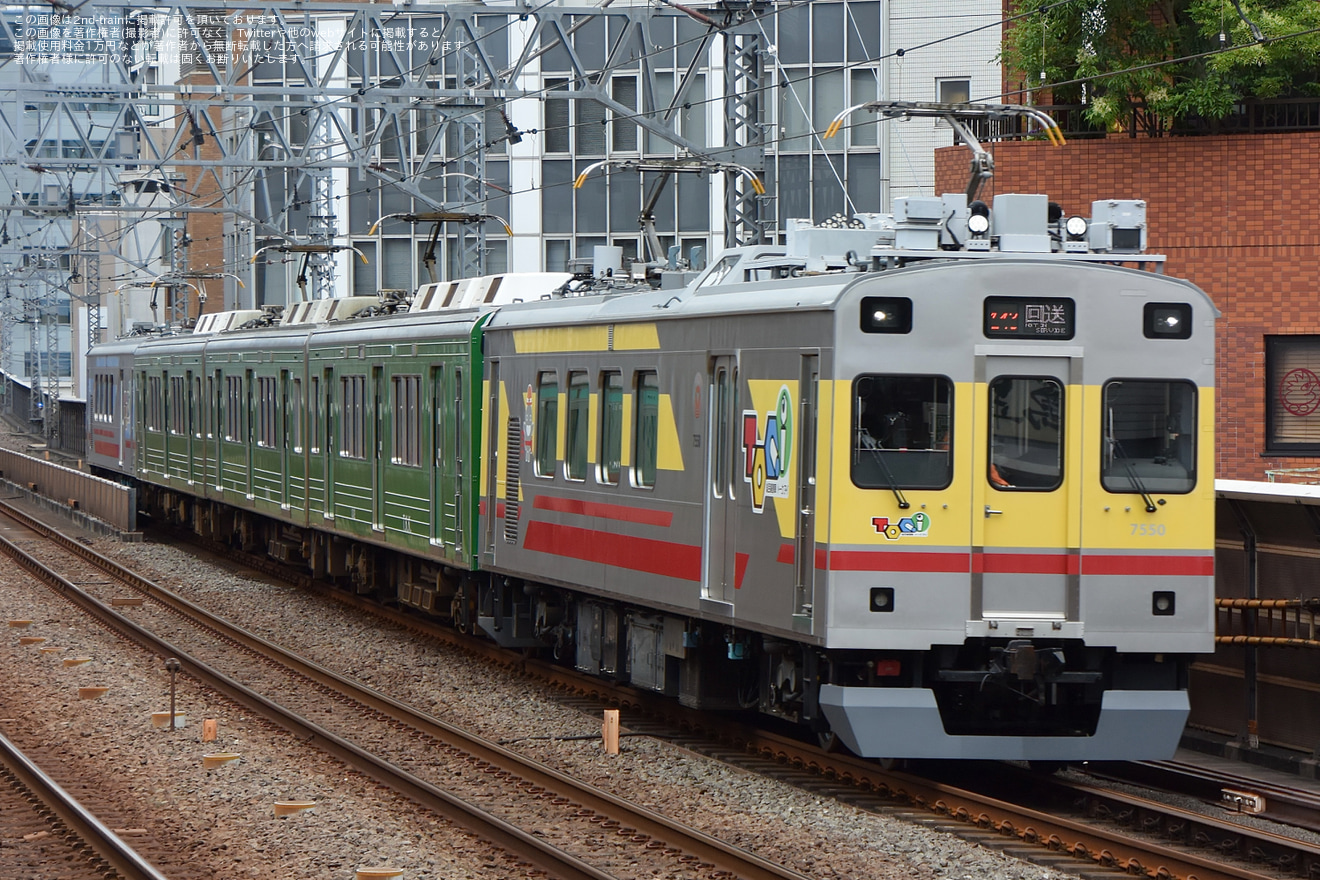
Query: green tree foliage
point(1112, 55)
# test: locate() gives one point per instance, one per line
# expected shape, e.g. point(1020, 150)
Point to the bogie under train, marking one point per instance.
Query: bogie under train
point(941, 503)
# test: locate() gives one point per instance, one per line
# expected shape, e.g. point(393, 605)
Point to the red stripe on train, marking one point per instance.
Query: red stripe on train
point(1011, 563)
point(617, 512)
point(666, 558)
point(1149, 565)
point(1026, 563)
point(102, 447)
point(880, 560)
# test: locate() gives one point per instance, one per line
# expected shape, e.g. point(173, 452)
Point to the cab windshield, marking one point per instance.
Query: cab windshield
point(1149, 436)
point(901, 430)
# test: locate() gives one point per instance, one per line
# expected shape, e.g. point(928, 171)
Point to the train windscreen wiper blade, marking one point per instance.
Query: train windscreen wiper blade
point(889, 477)
point(1136, 481)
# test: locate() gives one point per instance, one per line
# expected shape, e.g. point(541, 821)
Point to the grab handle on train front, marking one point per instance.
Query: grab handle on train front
point(990, 511)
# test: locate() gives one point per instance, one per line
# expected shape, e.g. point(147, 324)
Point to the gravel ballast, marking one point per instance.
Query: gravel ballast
point(225, 816)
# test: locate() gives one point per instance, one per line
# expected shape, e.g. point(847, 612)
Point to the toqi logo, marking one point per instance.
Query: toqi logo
point(915, 526)
point(529, 421)
point(766, 456)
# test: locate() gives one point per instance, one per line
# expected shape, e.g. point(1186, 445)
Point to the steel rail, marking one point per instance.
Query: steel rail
point(1082, 840)
point(1287, 806)
point(108, 845)
point(508, 837)
point(707, 848)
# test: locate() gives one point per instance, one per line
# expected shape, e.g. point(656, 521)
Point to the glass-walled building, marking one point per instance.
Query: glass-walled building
point(819, 57)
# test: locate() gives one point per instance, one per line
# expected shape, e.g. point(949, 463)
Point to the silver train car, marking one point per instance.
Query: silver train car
point(928, 492)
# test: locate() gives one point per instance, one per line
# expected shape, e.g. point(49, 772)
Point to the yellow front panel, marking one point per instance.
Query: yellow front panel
point(1182, 522)
point(847, 513)
point(1020, 518)
point(1079, 514)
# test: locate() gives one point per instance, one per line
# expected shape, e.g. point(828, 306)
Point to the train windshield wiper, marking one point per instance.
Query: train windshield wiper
point(1140, 487)
point(889, 478)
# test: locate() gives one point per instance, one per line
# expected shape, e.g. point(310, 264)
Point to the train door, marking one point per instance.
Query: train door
point(458, 430)
point(300, 431)
point(284, 420)
point(494, 440)
point(441, 484)
point(127, 421)
point(248, 431)
point(331, 414)
point(166, 414)
point(191, 433)
point(217, 404)
point(804, 549)
point(721, 502)
point(1026, 513)
point(377, 441)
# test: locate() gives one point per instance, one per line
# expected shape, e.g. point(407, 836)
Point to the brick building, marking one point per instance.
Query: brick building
point(1237, 215)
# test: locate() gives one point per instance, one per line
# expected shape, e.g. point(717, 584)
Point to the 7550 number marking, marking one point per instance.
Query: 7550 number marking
point(1147, 529)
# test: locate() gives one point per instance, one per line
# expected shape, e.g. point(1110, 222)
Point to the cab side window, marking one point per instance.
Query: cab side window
point(902, 430)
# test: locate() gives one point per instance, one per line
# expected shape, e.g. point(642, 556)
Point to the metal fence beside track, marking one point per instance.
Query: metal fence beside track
point(1261, 687)
point(105, 501)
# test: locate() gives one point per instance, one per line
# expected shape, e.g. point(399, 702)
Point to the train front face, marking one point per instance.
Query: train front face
point(1020, 511)
point(110, 439)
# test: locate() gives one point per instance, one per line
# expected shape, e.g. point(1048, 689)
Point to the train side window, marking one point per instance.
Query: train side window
point(547, 424)
point(314, 414)
point(178, 412)
point(407, 421)
point(902, 427)
point(579, 423)
point(153, 406)
point(353, 417)
point(266, 411)
point(1149, 442)
point(647, 429)
point(611, 428)
point(198, 408)
point(295, 416)
point(233, 408)
point(1026, 433)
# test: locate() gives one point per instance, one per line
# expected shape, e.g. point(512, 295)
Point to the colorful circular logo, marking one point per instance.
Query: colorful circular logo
point(1299, 392)
point(784, 413)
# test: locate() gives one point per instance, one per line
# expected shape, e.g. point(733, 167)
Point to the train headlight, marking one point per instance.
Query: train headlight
point(882, 598)
point(978, 218)
point(1162, 603)
point(886, 314)
point(1075, 227)
point(1168, 321)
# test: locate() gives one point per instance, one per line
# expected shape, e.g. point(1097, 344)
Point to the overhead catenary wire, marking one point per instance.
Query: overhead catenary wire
point(220, 195)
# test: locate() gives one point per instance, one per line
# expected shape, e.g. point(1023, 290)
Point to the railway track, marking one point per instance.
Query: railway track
point(49, 833)
point(1091, 833)
point(1072, 826)
point(1266, 800)
point(525, 808)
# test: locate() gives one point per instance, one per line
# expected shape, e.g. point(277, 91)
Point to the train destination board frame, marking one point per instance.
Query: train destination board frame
point(1029, 317)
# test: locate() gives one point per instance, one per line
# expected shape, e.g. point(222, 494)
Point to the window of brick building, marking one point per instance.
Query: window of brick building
point(1292, 395)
